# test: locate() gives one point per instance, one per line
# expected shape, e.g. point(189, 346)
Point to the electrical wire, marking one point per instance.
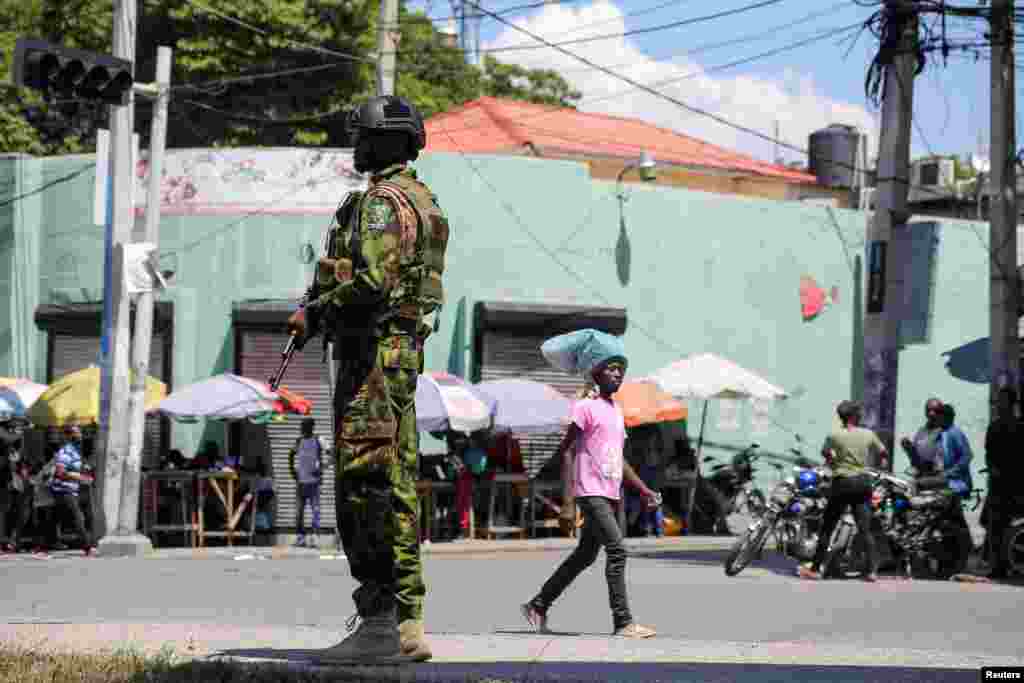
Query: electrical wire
point(621, 34)
point(718, 118)
point(307, 46)
point(46, 186)
point(219, 83)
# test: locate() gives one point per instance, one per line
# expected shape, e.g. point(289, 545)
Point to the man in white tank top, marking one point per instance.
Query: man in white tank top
point(306, 463)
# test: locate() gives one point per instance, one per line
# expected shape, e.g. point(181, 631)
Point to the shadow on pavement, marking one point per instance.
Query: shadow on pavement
point(595, 672)
point(770, 561)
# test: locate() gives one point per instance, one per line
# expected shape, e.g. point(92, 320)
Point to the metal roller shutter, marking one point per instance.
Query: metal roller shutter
point(72, 352)
point(307, 375)
point(513, 355)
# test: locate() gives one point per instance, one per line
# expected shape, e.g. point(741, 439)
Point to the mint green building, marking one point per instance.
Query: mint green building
point(536, 247)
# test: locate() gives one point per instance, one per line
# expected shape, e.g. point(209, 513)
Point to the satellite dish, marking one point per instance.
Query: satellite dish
point(980, 164)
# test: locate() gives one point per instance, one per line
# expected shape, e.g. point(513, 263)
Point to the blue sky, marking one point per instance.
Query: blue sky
point(801, 89)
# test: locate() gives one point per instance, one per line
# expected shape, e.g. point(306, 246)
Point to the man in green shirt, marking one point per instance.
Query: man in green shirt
point(847, 450)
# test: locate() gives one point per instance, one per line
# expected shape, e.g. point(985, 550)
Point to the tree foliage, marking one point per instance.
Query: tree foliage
point(224, 54)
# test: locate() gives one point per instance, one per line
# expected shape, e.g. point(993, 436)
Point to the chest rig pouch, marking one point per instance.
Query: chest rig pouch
point(422, 262)
point(335, 266)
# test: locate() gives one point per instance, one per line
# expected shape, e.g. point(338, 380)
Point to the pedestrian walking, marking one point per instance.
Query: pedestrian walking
point(65, 486)
point(847, 450)
point(593, 469)
point(306, 462)
point(1005, 475)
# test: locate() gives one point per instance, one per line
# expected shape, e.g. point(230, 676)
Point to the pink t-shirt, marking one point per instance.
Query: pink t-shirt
point(599, 447)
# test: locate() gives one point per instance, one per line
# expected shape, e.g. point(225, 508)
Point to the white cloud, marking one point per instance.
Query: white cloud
point(752, 101)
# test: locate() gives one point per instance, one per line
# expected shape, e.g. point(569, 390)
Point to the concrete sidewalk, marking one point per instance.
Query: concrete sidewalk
point(474, 547)
point(300, 645)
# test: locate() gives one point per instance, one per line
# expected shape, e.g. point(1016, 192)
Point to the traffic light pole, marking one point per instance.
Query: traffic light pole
point(113, 451)
point(131, 480)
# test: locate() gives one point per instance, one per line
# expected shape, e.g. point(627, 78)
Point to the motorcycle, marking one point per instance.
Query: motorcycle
point(793, 514)
point(730, 488)
point(922, 527)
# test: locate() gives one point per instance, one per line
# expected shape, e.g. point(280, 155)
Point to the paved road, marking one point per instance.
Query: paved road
point(761, 625)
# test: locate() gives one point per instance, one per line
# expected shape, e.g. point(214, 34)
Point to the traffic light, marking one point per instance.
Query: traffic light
point(68, 73)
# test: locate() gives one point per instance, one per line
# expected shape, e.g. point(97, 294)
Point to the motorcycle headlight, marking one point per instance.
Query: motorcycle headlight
point(782, 495)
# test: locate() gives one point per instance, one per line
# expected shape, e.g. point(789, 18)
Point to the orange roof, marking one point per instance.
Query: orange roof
point(490, 125)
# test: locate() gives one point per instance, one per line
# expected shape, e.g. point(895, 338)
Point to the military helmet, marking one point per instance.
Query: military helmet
point(388, 113)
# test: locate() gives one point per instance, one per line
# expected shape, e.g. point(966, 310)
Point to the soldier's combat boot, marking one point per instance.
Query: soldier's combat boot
point(374, 641)
point(414, 640)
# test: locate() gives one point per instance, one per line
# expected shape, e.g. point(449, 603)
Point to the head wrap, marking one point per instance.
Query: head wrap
point(583, 351)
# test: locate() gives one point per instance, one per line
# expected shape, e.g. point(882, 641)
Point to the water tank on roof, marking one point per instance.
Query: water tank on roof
point(838, 156)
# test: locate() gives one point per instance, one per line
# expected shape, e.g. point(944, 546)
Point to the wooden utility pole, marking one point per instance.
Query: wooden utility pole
point(386, 47)
point(884, 301)
point(1004, 283)
point(114, 422)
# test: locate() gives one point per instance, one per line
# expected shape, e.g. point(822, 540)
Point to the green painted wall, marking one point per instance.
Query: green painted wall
point(706, 273)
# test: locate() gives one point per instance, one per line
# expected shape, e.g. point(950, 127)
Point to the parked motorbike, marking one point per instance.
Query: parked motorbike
point(733, 487)
point(923, 529)
point(793, 514)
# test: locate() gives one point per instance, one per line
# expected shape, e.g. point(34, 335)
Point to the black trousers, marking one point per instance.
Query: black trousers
point(66, 508)
point(855, 492)
point(600, 529)
point(15, 515)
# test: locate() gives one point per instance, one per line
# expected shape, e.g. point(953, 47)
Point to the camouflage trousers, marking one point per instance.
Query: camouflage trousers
point(377, 466)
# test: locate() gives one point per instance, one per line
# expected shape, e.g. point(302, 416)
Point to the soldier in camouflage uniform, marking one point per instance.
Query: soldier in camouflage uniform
point(381, 276)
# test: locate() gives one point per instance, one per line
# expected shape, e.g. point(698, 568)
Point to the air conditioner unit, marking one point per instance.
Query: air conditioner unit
point(933, 173)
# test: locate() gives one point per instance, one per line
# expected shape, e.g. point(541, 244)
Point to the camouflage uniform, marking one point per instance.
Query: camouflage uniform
point(378, 330)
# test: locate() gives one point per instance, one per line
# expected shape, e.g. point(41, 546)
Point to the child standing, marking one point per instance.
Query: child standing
point(592, 473)
point(306, 463)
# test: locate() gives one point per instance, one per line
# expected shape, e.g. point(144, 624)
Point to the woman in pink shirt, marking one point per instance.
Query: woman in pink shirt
point(592, 474)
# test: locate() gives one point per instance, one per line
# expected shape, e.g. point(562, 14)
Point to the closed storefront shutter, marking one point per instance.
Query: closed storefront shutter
point(509, 354)
point(72, 352)
point(260, 355)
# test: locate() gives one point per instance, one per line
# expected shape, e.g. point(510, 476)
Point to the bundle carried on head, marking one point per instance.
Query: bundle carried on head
point(584, 351)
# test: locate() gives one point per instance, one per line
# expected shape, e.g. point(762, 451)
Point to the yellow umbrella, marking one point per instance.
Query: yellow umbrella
point(75, 399)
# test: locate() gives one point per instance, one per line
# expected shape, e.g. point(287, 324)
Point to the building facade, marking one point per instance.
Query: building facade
point(537, 247)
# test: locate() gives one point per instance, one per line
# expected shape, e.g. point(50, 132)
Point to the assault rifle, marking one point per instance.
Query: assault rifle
point(341, 219)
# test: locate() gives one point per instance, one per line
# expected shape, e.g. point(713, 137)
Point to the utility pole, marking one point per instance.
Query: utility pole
point(114, 423)
point(1004, 284)
point(387, 45)
point(131, 479)
point(885, 276)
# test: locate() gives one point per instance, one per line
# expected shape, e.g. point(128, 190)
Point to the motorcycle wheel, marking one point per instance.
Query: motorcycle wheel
point(1013, 549)
point(837, 558)
point(746, 547)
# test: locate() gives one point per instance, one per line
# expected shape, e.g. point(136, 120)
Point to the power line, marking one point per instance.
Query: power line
point(298, 121)
point(640, 86)
point(45, 186)
point(750, 37)
point(308, 46)
point(622, 34)
point(219, 83)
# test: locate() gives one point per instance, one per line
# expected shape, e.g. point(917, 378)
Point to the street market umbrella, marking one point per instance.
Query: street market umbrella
point(643, 402)
point(231, 397)
point(706, 376)
point(446, 402)
point(75, 399)
point(523, 406)
point(17, 396)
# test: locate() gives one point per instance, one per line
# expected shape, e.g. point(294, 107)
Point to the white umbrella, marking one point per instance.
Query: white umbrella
point(17, 396)
point(221, 397)
point(706, 376)
point(523, 406)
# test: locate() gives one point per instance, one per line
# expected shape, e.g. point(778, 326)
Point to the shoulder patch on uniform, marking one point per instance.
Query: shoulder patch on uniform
point(379, 214)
